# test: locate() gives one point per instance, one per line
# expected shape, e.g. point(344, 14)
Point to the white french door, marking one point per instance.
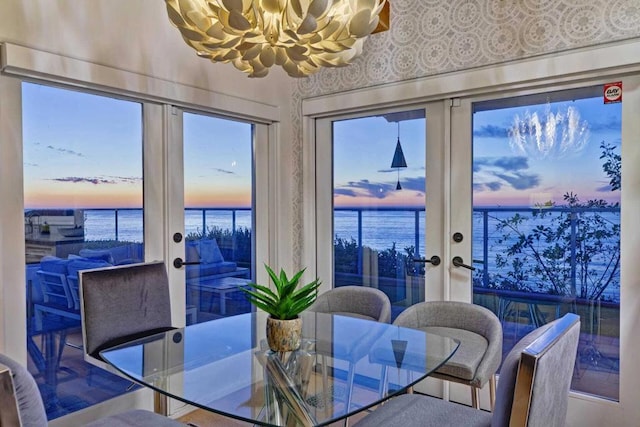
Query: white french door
point(550, 229)
point(373, 216)
point(479, 199)
point(218, 178)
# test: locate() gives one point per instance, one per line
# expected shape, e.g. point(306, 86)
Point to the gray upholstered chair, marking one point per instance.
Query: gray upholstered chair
point(352, 301)
point(533, 388)
point(120, 304)
point(22, 398)
point(355, 301)
point(480, 334)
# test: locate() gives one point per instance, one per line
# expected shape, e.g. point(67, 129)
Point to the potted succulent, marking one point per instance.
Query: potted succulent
point(284, 303)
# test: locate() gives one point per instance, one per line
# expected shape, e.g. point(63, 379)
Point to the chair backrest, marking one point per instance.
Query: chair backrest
point(20, 401)
point(355, 300)
point(55, 289)
point(464, 316)
point(450, 314)
point(535, 378)
point(122, 303)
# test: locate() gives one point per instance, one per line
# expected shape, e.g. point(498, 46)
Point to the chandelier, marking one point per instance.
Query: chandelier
point(549, 134)
point(299, 35)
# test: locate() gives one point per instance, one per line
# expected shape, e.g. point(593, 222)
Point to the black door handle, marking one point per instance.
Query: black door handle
point(459, 262)
point(178, 263)
point(434, 260)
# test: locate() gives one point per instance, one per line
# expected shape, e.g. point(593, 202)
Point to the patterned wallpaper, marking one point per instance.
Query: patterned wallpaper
point(428, 37)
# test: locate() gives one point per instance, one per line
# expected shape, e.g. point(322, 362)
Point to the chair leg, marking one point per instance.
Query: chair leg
point(492, 391)
point(475, 397)
point(160, 403)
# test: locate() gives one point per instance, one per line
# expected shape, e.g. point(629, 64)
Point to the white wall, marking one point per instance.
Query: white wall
point(131, 35)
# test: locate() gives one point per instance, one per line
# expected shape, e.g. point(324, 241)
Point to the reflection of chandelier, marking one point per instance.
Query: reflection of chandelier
point(299, 35)
point(549, 134)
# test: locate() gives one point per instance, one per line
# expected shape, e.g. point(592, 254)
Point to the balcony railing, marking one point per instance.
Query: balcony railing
point(361, 224)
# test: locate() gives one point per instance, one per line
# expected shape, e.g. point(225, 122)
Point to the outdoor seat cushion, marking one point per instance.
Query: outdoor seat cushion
point(123, 254)
point(464, 362)
point(97, 254)
point(79, 263)
point(52, 264)
point(210, 269)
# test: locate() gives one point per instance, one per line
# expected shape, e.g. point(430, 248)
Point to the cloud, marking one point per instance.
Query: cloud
point(224, 171)
point(420, 170)
point(520, 181)
point(364, 188)
point(506, 163)
point(344, 192)
point(65, 151)
point(614, 124)
point(379, 190)
point(494, 186)
point(413, 183)
point(491, 131)
point(509, 171)
point(77, 179)
point(487, 186)
point(126, 179)
point(512, 163)
point(99, 180)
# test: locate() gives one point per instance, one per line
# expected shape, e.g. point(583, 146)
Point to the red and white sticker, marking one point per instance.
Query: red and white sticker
point(612, 92)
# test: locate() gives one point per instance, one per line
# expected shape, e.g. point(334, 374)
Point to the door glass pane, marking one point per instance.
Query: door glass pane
point(218, 191)
point(546, 221)
point(379, 204)
point(83, 209)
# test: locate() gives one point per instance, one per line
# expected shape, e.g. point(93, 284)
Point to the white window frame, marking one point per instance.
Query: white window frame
point(18, 64)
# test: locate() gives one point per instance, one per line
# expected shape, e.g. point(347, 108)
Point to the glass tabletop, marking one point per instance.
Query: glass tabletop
point(344, 365)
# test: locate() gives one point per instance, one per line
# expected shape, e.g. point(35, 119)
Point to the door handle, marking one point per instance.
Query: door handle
point(459, 262)
point(434, 260)
point(178, 262)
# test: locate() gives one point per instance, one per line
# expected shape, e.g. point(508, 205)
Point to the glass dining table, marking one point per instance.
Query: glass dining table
point(343, 366)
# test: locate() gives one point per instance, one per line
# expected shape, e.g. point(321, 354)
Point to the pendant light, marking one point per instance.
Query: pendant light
point(398, 159)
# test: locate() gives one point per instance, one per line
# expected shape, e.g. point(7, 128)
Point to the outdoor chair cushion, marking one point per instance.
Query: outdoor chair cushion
point(126, 254)
point(210, 252)
point(97, 254)
point(204, 270)
point(78, 264)
point(53, 264)
point(211, 262)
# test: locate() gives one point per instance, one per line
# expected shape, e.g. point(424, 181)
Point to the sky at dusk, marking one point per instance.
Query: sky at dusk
point(535, 171)
point(511, 167)
point(363, 150)
point(83, 150)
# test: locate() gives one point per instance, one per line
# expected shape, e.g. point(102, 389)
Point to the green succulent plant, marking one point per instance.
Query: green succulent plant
point(285, 302)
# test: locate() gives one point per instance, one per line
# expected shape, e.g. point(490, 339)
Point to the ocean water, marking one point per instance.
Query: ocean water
point(101, 224)
point(378, 230)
